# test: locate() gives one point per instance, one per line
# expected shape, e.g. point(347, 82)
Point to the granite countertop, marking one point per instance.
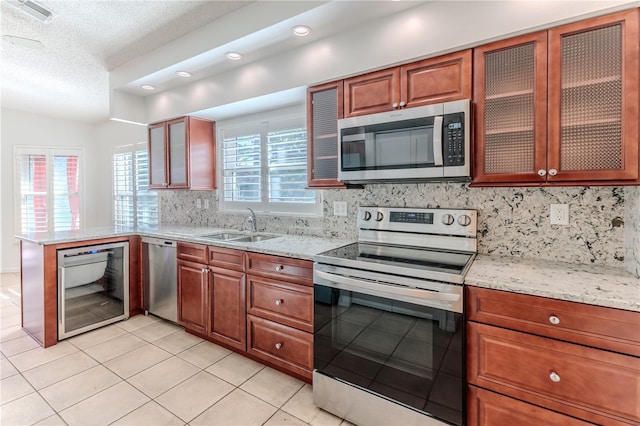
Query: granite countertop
point(298, 246)
point(594, 285)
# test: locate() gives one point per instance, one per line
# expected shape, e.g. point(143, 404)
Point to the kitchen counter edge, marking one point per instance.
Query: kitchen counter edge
point(589, 284)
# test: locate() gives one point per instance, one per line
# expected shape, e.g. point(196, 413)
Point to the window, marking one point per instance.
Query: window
point(48, 189)
point(264, 166)
point(133, 203)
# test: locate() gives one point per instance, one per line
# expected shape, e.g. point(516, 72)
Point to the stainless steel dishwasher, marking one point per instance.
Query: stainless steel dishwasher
point(159, 276)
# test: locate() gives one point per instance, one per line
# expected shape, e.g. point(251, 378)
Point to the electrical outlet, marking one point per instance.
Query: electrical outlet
point(199, 203)
point(206, 203)
point(339, 208)
point(559, 214)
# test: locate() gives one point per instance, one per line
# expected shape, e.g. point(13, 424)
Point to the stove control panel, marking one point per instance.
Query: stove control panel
point(456, 222)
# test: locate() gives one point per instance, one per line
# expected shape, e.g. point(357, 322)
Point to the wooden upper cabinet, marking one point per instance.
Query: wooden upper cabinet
point(593, 99)
point(182, 154)
point(440, 79)
point(510, 99)
point(372, 93)
point(324, 109)
point(559, 106)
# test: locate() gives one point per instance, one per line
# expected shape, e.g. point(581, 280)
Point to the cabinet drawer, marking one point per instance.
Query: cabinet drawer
point(607, 328)
point(226, 258)
point(289, 304)
point(281, 345)
point(296, 270)
point(587, 383)
point(192, 252)
point(488, 408)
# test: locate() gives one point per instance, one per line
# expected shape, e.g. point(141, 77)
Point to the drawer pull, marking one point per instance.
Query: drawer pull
point(279, 268)
point(554, 320)
point(554, 377)
point(279, 301)
point(279, 345)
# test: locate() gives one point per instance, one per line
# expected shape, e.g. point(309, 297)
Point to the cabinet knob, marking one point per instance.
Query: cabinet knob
point(554, 320)
point(554, 377)
point(204, 270)
point(395, 105)
point(278, 345)
point(279, 268)
point(553, 172)
point(403, 103)
point(279, 301)
point(542, 172)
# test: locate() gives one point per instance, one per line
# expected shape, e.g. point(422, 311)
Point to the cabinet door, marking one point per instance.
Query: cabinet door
point(178, 147)
point(441, 79)
point(370, 93)
point(157, 156)
point(486, 408)
point(596, 385)
point(192, 296)
point(510, 97)
point(227, 306)
point(593, 99)
point(324, 109)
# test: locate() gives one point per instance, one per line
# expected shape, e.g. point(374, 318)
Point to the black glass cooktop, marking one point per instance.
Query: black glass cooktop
point(397, 258)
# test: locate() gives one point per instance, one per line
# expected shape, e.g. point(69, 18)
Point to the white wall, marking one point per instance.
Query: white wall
point(22, 128)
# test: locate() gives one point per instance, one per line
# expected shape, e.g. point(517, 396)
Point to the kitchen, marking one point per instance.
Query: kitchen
point(513, 221)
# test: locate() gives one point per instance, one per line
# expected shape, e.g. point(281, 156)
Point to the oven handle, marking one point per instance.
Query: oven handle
point(352, 284)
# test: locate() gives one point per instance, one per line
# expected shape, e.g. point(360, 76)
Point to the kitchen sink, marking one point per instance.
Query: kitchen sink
point(237, 237)
point(224, 236)
point(254, 238)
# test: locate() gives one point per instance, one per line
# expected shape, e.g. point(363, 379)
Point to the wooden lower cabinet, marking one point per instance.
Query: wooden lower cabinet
point(486, 408)
point(284, 346)
point(227, 320)
point(192, 296)
point(534, 359)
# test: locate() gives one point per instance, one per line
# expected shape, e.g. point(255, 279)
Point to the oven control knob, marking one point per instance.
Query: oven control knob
point(379, 216)
point(448, 219)
point(366, 215)
point(464, 220)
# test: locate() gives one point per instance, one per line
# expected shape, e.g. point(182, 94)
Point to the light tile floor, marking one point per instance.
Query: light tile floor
point(143, 371)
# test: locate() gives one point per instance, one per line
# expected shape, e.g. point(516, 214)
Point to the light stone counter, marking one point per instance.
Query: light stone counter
point(297, 246)
point(594, 285)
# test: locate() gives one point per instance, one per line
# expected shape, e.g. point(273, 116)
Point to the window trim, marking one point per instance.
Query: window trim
point(49, 152)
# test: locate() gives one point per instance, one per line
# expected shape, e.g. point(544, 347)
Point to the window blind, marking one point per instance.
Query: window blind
point(264, 166)
point(133, 203)
point(47, 189)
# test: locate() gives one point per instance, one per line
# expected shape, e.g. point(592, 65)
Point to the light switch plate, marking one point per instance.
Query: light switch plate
point(206, 203)
point(199, 203)
point(559, 214)
point(339, 208)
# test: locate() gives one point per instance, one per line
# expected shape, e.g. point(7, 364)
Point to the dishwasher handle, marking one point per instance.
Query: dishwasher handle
point(159, 242)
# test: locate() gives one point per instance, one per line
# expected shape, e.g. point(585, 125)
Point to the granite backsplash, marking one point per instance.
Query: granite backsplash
point(604, 221)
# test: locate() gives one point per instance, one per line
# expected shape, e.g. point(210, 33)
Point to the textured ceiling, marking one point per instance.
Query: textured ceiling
point(83, 42)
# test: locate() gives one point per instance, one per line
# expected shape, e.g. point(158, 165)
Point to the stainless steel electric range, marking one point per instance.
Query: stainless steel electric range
point(389, 326)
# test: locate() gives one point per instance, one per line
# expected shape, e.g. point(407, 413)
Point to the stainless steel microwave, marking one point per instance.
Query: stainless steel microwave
point(430, 142)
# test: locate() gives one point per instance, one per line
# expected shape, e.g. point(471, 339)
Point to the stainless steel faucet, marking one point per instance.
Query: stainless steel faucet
point(252, 220)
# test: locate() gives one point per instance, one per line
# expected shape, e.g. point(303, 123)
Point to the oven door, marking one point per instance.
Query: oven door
point(394, 342)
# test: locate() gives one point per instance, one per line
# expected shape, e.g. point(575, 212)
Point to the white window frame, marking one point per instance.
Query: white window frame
point(262, 124)
point(49, 153)
point(131, 149)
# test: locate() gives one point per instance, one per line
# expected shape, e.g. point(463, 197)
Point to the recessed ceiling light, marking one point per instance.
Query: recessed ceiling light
point(147, 87)
point(301, 30)
point(184, 74)
point(234, 56)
